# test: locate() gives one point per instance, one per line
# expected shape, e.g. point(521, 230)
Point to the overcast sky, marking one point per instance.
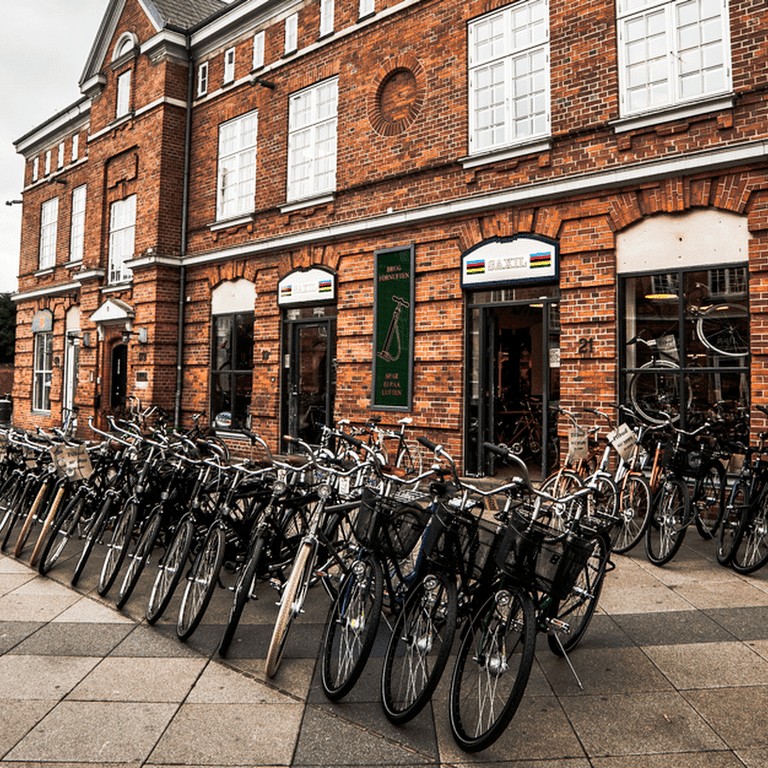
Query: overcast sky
point(44, 45)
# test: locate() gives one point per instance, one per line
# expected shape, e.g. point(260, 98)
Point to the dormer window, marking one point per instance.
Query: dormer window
point(123, 93)
point(229, 66)
point(126, 45)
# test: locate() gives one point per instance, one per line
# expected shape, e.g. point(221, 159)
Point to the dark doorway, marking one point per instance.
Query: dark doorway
point(119, 378)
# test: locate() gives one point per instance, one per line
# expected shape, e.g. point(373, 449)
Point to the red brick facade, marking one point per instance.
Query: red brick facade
point(402, 178)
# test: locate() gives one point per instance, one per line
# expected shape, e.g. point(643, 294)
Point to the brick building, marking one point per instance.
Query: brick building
point(284, 213)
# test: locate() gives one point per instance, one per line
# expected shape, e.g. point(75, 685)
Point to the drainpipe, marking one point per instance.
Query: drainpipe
point(184, 220)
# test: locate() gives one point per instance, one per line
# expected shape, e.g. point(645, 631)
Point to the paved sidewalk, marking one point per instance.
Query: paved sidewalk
point(674, 666)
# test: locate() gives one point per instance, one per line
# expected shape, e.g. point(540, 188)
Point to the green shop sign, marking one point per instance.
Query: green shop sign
point(393, 306)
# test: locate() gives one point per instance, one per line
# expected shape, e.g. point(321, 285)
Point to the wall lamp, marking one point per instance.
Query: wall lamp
point(56, 180)
point(141, 335)
point(265, 83)
point(14, 202)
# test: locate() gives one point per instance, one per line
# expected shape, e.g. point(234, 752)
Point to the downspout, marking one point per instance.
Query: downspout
point(184, 220)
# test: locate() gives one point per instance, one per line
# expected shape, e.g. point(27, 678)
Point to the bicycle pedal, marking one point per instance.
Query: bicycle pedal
point(276, 584)
point(559, 626)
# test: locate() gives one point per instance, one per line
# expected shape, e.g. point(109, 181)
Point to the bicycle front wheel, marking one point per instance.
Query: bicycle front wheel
point(419, 647)
point(350, 630)
point(669, 518)
point(634, 512)
point(709, 499)
point(62, 530)
point(658, 391)
point(492, 669)
point(734, 521)
point(724, 328)
point(139, 556)
point(751, 552)
point(117, 547)
point(170, 570)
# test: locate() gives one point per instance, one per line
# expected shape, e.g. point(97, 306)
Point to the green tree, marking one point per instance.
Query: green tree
point(7, 328)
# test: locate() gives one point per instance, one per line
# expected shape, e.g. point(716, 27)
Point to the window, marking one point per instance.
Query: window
point(509, 91)
point(35, 169)
point(75, 147)
point(60, 158)
point(326, 17)
point(77, 225)
point(47, 162)
point(123, 93)
point(42, 372)
point(202, 79)
point(122, 231)
point(292, 33)
point(312, 140)
point(229, 65)
point(258, 50)
point(49, 220)
point(367, 8)
point(232, 369)
point(672, 52)
point(237, 166)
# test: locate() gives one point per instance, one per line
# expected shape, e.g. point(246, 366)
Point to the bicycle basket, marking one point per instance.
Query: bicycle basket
point(543, 558)
point(452, 538)
point(388, 525)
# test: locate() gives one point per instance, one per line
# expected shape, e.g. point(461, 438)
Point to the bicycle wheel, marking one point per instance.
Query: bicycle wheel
point(709, 498)
point(669, 517)
point(54, 510)
point(30, 515)
point(351, 627)
point(291, 603)
point(62, 530)
point(751, 551)
point(419, 647)
point(138, 558)
point(93, 534)
point(724, 328)
point(577, 608)
point(117, 547)
point(734, 521)
point(243, 588)
point(170, 570)
point(657, 391)
point(10, 504)
point(492, 669)
point(634, 512)
point(200, 583)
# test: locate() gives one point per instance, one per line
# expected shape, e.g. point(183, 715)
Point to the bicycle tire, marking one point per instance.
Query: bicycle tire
point(170, 570)
point(290, 605)
point(93, 534)
point(419, 647)
point(717, 332)
point(669, 517)
point(201, 582)
point(62, 531)
point(649, 395)
point(734, 520)
point(561, 483)
point(492, 668)
point(634, 513)
point(351, 627)
point(51, 515)
point(139, 556)
point(576, 610)
point(9, 507)
point(243, 587)
point(751, 551)
point(117, 548)
point(709, 499)
point(30, 516)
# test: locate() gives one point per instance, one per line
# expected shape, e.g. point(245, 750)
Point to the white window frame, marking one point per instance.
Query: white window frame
point(312, 140)
point(236, 175)
point(75, 147)
point(47, 162)
point(77, 224)
point(202, 79)
point(291, 33)
point(509, 77)
point(60, 157)
point(49, 224)
point(42, 372)
point(122, 237)
point(660, 66)
point(123, 100)
point(36, 169)
point(229, 66)
point(258, 50)
point(366, 8)
point(326, 17)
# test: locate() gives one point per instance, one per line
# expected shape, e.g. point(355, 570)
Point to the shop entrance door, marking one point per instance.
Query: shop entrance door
point(514, 355)
point(119, 380)
point(308, 377)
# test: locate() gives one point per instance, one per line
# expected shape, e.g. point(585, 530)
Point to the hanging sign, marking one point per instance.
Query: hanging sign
point(71, 461)
point(510, 260)
point(304, 286)
point(393, 313)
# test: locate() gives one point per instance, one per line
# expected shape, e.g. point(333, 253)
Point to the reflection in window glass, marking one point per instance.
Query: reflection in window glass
point(232, 370)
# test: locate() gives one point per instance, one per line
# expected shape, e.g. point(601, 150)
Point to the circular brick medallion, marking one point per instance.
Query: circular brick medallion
point(398, 100)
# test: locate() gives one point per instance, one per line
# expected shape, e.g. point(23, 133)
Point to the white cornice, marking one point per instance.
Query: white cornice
point(61, 124)
point(52, 290)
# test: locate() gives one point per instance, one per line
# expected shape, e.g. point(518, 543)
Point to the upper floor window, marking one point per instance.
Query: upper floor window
point(229, 65)
point(77, 225)
point(42, 371)
point(509, 88)
point(326, 17)
point(672, 52)
point(60, 158)
point(312, 126)
point(49, 222)
point(367, 7)
point(202, 79)
point(292, 33)
point(123, 93)
point(122, 234)
point(35, 169)
point(75, 147)
point(258, 50)
point(237, 166)
point(47, 162)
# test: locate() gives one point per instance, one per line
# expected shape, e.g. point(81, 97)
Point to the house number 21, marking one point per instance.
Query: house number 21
point(586, 347)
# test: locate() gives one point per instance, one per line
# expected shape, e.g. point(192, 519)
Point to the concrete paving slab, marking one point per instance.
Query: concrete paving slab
point(753, 758)
point(148, 641)
point(12, 633)
point(60, 639)
point(750, 623)
point(722, 594)
point(16, 607)
point(87, 611)
point(18, 718)
point(672, 626)
point(222, 685)
point(675, 760)
point(24, 678)
point(10, 582)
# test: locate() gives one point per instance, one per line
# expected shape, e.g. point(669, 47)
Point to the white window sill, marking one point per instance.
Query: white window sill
point(44, 271)
point(507, 153)
point(309, 202)
point(115, 287)
point(676, 112)
point(237, 221)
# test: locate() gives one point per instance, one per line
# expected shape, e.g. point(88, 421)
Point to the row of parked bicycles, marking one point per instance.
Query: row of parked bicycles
point(447, 572)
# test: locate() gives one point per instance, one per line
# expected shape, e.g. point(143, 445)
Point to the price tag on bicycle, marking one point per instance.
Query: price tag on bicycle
point(72, 462)
point(624, 440)
point(667, 346)
point(578, 444)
